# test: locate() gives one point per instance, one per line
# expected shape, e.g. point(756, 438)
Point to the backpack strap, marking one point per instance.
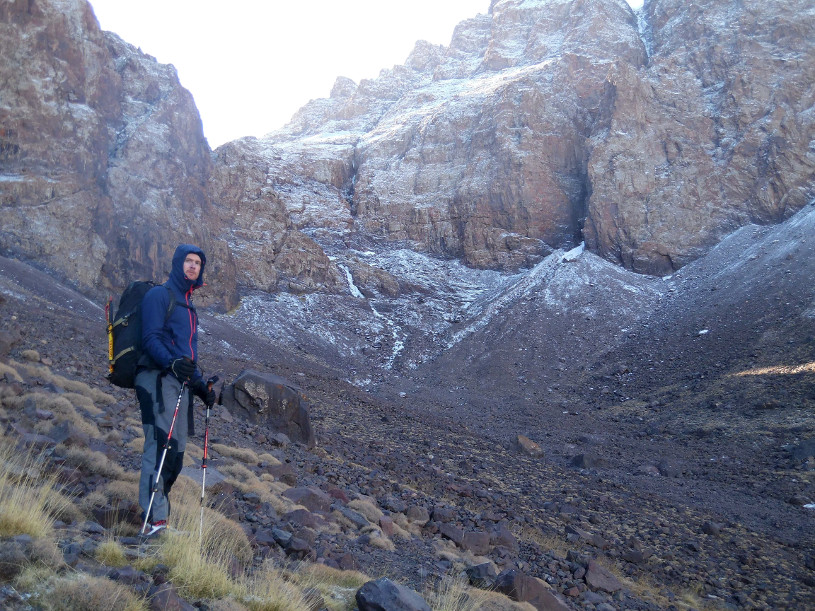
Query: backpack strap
point(171, 305)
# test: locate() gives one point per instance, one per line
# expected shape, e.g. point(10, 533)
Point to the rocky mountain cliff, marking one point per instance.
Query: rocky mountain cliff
point(545, 124)
point(542, 125)
point(103, 162)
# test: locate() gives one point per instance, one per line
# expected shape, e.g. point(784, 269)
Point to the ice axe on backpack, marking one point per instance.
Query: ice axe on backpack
point(210, 384)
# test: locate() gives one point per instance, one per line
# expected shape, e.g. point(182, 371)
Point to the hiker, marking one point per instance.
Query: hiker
point(169, 359)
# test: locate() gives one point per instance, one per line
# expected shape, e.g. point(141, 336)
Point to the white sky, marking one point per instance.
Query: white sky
point(251, 64)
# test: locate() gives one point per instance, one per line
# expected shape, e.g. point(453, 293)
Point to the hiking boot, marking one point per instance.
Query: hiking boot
point(155, 528)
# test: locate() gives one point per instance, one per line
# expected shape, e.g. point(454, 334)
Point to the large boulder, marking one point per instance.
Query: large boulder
point(385, 595)
point(264, 398)
point(525, 588)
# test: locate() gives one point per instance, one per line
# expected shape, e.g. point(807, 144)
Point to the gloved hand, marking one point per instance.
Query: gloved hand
point(183, 369)
point(207, 395)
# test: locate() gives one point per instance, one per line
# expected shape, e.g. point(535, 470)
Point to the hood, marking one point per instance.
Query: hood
point(177, 273)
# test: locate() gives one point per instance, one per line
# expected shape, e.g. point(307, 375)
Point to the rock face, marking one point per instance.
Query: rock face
point(104, 166)
point(547, 123)
point(544, 123)
point(712, 135)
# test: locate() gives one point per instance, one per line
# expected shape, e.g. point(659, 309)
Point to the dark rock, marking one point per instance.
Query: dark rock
point(578, 534)
point(455, 534)
point(802, 451)
point(418, 514)
point(588, 461)
point(271, 400)
point(385, 595)
point(394, 504)
point(264, 537)
point(281, 536)
point(443, 514)
point(524, 588)
point(165, 597)
point(283, 472)
point(713, 529)
point(476, 542)
point(299, 549)
point(311, 498)
point(93, 528)
point(599, 578)
point(137, 580)
point(356, 518)
point(668, 469)
point(301, 517)
point(482, 575)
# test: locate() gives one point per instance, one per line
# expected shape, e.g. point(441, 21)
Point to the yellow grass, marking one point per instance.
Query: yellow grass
point(778, 370)
point(91, 461)
point(245, 455)
point(371, 512)
point(29, 502)
point(268, 459)
point(5, 370)
point(267, 590)
point(61, 407)
point(41, 371)
point(81, 592)
point(110, 553)
point(203, 564)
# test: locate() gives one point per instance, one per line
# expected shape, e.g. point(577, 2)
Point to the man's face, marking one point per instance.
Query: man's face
point(192, 267)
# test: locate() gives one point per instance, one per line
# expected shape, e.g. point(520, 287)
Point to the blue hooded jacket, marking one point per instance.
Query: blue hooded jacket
point(178, 337)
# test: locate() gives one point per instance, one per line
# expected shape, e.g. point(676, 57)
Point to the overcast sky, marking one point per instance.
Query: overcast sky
point(251, 64)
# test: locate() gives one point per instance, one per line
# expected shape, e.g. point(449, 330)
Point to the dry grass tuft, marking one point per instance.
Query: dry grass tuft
point(269, 590)
point(62, 408)
point(91, 461)
point(244, 455)
point(29, 500)
point(110, 553)
point(380, 541)
point(75, 386)
point(6, 370)
point(204, 564)
point(268, 459)
point(81, 592)
point(83, 402)
point(121, 491)
point(371, 512)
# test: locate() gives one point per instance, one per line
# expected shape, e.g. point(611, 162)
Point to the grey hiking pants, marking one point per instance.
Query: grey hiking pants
point(158, 395)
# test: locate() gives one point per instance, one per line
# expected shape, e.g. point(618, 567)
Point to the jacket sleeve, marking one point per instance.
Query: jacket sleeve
point(154, 335)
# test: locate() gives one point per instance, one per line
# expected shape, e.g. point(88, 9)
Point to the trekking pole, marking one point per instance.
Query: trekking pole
point(163, 456)
point(210, 383)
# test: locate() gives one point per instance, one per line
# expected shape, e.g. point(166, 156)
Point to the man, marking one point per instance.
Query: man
point(166, 373)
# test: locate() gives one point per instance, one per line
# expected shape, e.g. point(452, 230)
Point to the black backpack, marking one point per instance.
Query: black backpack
point(124, 332)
